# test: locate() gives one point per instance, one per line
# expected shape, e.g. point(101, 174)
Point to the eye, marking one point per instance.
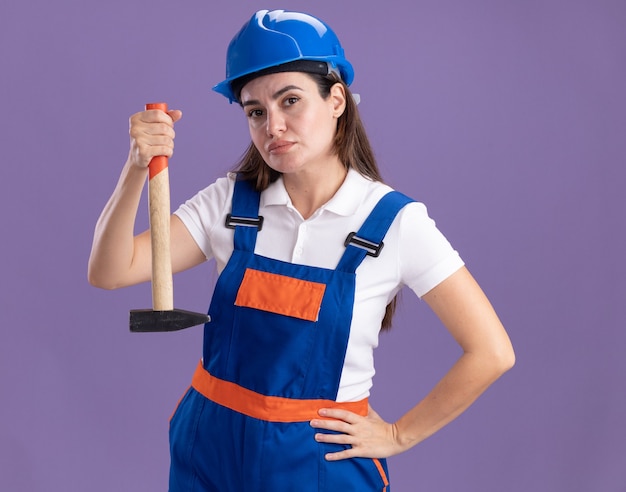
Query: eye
point(290, 101)
point(255, 113)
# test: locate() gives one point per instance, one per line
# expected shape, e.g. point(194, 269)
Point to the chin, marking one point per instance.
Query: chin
point(284, 167)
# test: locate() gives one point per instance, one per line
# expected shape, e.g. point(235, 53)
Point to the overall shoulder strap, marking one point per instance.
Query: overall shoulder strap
point(244, 216)
point(369, 238)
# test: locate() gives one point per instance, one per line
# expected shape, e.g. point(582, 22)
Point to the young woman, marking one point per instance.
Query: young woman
point(312, 248)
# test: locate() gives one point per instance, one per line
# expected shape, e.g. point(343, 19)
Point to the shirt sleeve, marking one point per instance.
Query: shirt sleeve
point(426, 256)
point(204, 211)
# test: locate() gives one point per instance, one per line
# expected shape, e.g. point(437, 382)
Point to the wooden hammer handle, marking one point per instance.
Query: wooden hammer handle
point(159, 205)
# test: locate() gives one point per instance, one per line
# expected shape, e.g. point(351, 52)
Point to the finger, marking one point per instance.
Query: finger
point(157, 140)
point(141, 129)
point(334, 438)
point(175, 114)
point(156, 115)
point(146, 144)
point(341, 455)
point(153, 116)
point(152, 131)
point(147, 152)
point(157, 150)
point(332, 425)
point(337, 413)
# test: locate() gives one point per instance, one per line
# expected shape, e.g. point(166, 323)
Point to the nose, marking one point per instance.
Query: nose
point(276, 124)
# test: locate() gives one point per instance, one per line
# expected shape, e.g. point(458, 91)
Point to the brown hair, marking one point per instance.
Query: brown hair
point(351, 145)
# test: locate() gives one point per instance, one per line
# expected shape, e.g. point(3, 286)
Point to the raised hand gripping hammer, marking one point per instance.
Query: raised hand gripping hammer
point(162, 316)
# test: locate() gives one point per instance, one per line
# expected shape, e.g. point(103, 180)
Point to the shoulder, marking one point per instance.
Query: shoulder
point(414, 210)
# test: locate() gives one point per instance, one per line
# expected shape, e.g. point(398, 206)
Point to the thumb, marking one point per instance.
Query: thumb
point(175, 114)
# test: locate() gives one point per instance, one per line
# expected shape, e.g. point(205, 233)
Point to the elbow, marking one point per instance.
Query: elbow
point(97, 279)
point(503, 359)
point(507, 363)
point(493, 361)
point(500, 353)
point(511, 359)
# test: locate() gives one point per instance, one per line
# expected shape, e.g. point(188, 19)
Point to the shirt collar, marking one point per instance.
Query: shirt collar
point(345, 202)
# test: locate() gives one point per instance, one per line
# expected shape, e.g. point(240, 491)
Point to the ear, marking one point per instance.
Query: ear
point(337, 98)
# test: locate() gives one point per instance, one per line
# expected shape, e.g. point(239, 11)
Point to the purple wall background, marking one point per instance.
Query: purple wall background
point(507, 118)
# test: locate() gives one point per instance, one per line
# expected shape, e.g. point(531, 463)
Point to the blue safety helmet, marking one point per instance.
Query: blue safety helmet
point(279, 40)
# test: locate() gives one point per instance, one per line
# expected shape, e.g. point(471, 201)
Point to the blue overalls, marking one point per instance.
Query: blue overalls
point(272, 357)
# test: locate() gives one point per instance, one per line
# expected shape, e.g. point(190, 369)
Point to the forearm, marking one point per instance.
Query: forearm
point(113, 246)
point(468, 378)
point(487, 353)
point(118, 257)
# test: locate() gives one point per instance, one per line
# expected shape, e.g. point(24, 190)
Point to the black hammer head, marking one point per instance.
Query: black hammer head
point(147, 320)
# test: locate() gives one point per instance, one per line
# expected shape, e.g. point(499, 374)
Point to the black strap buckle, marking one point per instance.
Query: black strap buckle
point(232, 222)
point(372, 249)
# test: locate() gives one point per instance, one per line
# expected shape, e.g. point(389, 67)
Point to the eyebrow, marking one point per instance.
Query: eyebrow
point(275, 96)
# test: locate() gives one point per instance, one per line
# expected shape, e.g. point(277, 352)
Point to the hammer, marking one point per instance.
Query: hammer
point(163, 316)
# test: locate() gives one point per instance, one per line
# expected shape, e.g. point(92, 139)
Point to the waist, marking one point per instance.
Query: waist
point(263, 407)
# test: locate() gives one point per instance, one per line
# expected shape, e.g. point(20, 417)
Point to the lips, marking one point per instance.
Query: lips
point(279, 147)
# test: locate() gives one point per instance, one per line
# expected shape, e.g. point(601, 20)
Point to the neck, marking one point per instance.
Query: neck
point(309, 190)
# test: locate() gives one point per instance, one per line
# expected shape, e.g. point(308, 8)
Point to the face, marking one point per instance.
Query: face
point(291, 125)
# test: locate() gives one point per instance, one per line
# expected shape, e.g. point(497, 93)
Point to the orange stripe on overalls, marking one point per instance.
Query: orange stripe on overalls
point(262, 407)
